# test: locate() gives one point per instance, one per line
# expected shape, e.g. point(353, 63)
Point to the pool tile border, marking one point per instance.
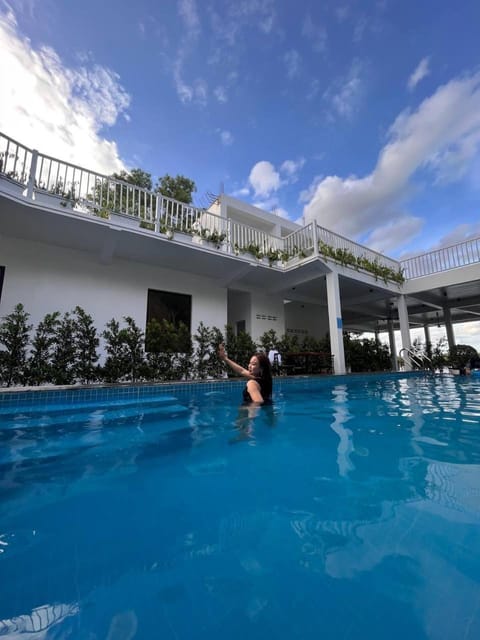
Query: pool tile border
point(98, 393)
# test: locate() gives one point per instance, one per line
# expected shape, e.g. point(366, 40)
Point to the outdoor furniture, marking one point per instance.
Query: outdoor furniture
point(307, 362)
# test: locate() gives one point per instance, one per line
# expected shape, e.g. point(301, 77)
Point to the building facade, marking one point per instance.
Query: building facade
point(69, 237)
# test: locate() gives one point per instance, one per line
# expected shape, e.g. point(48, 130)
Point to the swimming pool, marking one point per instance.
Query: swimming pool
point(349, 509)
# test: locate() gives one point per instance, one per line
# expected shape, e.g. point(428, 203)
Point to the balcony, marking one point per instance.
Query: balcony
point(59, 186)
point(43, 199)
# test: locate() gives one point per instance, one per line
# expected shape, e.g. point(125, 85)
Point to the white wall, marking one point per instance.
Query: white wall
point(45, 278)
point(267, 312)
point(239, 304)
point(303, 319)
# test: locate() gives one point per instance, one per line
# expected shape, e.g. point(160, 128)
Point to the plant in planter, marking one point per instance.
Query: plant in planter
point(273, 255)
point(213, 237)
point(460, 355)
point(299, 253)
point(217, 238)
point(326, 250)
point(254, 250)
point(148, 224)
point(346, 258)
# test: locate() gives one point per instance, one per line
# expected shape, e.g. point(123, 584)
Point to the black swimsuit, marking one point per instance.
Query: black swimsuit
point(265, 390)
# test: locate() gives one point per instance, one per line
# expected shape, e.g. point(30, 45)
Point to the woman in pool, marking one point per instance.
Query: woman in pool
point(259, 375)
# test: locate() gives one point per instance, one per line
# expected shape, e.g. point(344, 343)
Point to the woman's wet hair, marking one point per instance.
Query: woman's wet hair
point(264, 363)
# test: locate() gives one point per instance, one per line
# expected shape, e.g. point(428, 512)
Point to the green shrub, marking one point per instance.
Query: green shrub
point(40, 367)
point(14, 336)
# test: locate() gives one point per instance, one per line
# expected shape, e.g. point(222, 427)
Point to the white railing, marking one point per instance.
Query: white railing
point(245, 238)
point(71, 185)
point(15, 160)
point(357, 250)
point(178, 215)
point(91, 191)
point(301, 242)
point(458, 255)
point(86, 191)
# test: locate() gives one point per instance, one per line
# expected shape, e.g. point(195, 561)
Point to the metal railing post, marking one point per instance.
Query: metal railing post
point(31, 176)
point(229, 235)
point(158, 206)
point(315, 240)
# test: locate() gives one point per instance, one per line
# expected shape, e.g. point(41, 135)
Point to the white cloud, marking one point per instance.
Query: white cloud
point(226, 137)
point(220, 94)
point(359, 29)
point(291, 168)
point(271, 205)
point(448, 120)
point(308, 194)
point(385, 238)
point(292, 61)
point(241, 193)
point(56, 109)
point(237, 16)
point(313, 89)
point(187, 10)
point(195, 91)
point(264, 179)
point(420, 72)
point(315, 33)
point(345, 93)
point(342, 13)
point(462, 233)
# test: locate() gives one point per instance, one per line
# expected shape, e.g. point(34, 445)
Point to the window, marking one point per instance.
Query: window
point(174, 307)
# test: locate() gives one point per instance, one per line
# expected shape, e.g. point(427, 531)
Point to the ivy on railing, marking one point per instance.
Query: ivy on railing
point(347, 259)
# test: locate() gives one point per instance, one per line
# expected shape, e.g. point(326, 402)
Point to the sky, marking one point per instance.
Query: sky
point(362, 115)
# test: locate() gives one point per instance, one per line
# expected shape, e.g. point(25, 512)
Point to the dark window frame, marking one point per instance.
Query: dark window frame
point(2, 278)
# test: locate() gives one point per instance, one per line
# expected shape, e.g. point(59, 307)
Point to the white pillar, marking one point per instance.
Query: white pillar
point(426, 331)
point(428, 342)
point(447, 316)
point(393, 346)
point(404, 329)
point(335, 323)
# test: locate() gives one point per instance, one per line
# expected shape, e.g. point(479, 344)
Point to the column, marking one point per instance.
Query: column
point(428, 342)
point(335, 322)
point(392, 344)
point(447, 317)
point(404, 329)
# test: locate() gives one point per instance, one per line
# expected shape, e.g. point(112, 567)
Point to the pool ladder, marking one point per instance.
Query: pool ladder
point(417, 358)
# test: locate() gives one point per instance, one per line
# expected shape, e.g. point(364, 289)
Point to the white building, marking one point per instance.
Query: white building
point(69, 236)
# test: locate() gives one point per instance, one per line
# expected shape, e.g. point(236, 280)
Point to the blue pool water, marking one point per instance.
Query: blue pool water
point(349, 509)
